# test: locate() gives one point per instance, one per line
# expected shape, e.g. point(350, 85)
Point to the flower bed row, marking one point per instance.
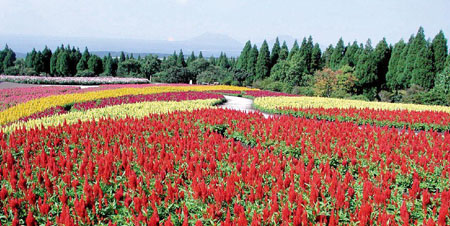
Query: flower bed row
point(135, 110)
point(31, 107)
point(187, 168)
point(101, 103)
point(436, 118)
point(72, 80)
point(252, 93)
point(13, 96)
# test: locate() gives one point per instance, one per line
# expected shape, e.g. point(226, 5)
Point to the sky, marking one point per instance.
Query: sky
point(256, 20)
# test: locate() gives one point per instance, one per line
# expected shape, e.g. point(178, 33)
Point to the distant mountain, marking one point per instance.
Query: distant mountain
point(208, 43)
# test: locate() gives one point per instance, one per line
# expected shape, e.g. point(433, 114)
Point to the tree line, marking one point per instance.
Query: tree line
point(416, 70)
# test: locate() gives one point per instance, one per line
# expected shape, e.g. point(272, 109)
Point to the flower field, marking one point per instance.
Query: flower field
point(166, 155)
point(417, 117)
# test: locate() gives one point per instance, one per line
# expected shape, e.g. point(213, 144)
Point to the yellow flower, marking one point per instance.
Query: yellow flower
point(273, 103)
point(137, 110)
point(38, 105)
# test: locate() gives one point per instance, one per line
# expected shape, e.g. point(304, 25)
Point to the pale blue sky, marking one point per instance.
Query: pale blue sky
point(325, 20)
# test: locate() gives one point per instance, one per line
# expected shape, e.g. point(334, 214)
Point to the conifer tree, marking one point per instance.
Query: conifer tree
point(418, 43)
point(316, 57)
point(180, 59)
point(95, 64)
point(263, 62)
point(294, 50)
point(275, 54)
point(327, 55)
point(382, 55)
point(440, 51)
point(423, 74)
point(394, 67)
point(338, 54)
point(47, 55)
point(63, 64)
point(351, 55)
point(53, 62)
point(83, 62)
point(200, 55)
point(243, 58)
point(284, 52)
point(365, 72)
point(251, 63)
point(191, 58)
point(122, 57)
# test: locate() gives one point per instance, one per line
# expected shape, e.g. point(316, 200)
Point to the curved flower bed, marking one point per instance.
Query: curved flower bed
point(38, 105)
point(135, 110)
point(129, 99)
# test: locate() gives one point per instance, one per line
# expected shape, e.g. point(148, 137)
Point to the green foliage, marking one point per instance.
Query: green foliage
point(337, 55)
point(284, 51)
point(382, 54)
point(440, 51)
point(175, 75)
point(213, 74)
point(95, 64)
point(263, 63)
point(243, 58)
point(251, 63)
point(392, 75)
point(150, 66)
point(422, 73)
point(180, 59)
point(366, 73)
point(83, 63)
point(129, 68)
point(275, 54)
point(63, 64)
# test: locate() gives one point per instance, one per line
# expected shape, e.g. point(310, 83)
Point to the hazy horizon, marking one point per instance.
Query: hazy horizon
point(177, 20)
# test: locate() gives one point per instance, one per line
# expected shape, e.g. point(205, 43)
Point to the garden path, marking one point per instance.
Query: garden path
point(240, 104)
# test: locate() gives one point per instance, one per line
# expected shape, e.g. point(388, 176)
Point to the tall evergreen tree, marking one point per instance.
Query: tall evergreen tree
point(284, 52)
point(418, 43)
point(95, 64)
point(122, 57)
point(9, 59)
point(440, 51)
point(243, 58)
point(191, 58)
point(200, 55)
point(365, 72)
point(393, 66)
point(423, 74)
point(110, 66)
point(338, 54)
point(63, 64)
point(251, 63)
point(275, 54)
point(53, 62)
point(47, 55)
point(351, 55)
point(316, 57)
point(382, 55)
point(326, 57)
point(83, 62)
point(263, 62)
point(402, 78)
point(294, 50)
point(180, 59)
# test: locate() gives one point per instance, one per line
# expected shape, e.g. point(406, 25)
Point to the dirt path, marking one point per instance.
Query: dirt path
point(241, 104)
